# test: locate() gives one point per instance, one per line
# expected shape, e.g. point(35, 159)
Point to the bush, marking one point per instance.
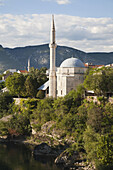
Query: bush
point(19, 124)
point(37, 127)
point(44, 111)
point(5, 103)
point(40, 94)
point(30, 104)
point(2, 85)
point(3, 128)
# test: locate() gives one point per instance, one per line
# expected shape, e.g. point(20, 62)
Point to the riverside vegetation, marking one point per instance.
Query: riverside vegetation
point(84, 129)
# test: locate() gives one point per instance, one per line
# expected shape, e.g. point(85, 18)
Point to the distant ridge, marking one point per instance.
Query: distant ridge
point(17, 57)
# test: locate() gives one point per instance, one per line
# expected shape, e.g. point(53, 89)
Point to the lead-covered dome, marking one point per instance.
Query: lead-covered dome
point(72, 62)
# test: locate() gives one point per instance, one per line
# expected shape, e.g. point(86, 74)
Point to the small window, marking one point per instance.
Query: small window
point(61, 92)
point(68, 71)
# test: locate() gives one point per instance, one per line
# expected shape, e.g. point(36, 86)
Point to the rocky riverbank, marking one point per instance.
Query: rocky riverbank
point(49, 141)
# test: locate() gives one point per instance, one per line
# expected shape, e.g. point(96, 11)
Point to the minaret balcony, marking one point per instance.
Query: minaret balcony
point(53, 45)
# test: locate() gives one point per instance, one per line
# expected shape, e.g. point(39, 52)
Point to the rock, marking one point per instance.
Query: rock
point(47, 126)
point(66, 159)
point(44, 149)
point(33, 131)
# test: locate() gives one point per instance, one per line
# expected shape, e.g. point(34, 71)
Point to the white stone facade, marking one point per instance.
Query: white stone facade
point(68, 79)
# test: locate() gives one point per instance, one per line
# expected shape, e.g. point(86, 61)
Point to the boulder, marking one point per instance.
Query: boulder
point(66, 158)
point(47, 126)
point(44, 149)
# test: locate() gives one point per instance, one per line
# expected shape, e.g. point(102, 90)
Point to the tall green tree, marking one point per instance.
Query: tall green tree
point(98, 136)
point(31, 86)
point(15, 84)
point(39, 75)
point(5, 103)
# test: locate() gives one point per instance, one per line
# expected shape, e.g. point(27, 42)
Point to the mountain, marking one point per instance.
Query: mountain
point(39, 55)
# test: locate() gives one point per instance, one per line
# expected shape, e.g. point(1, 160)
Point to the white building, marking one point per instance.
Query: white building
point(10, 70)
point(69, 75)
point(66, 77)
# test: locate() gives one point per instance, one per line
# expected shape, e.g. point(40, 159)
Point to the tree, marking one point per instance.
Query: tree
point(95, 117)
point(5, 102)
point(100, 80)
point(105, 150)
point(98, 136)
point(40, 94)
point(44, 111)
point(19, 124)
point(91, 143)
point(0, 76)
point(15, 83)
point(31, 86)
point(39, 75)
point(2, 85)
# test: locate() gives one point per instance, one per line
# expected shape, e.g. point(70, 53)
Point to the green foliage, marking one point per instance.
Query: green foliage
point(100, 80)
point(102, 100)
point(2, 85)
point(34, 80)
point(5, 103)
point(3, 128)
point(98, 136)
point(40, 94)
point(89, 125)
point(19, 124)
point(70, 151)
point(91, 143)
point(15, 83)
point(0, 76)
point(95, 117)
point(30, 104)
point(99, 148)
point(21, 85)
point(39, 75)
point(105, 150)
point(31, 86)
point(37, 127)
point(44, 111)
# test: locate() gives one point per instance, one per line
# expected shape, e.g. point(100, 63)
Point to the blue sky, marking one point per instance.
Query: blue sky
point(83, 24)
point(82, 8)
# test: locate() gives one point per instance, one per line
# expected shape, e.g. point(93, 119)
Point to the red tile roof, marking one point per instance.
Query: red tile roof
point(92, 66)
point(23, 71)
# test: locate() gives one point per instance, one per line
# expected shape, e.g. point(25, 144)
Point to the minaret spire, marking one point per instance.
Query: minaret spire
point(52, 38)
point(52, 75)
point(28, 64)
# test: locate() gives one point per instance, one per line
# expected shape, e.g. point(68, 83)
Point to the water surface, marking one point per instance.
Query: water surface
point(19, 157)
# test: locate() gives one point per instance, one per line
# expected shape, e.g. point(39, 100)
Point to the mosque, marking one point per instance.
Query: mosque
point(66, 77)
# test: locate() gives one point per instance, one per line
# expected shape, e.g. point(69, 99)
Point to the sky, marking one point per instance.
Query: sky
point(86, 25)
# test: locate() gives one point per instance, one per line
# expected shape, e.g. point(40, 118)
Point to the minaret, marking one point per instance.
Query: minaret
point(52, 74)
point(28, 65)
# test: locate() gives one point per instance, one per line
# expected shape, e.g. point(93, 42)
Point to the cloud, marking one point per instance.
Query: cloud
point(1, 2)
point(87, 34)
point(60, 2)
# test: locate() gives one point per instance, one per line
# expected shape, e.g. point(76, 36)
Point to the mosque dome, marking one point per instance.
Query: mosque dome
point(72, 62)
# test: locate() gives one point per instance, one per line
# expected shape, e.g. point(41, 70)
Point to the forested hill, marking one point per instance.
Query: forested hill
point(39, 55)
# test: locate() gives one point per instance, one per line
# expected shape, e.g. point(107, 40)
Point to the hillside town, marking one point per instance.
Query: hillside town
point(65, 112)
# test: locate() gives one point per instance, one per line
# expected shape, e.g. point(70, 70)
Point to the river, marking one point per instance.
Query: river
point(19, 157)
